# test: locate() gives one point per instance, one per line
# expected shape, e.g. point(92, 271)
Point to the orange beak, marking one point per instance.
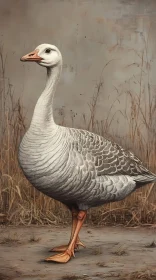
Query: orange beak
point(33, 56)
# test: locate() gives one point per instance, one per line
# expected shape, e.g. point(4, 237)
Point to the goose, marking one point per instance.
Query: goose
point(74, 166)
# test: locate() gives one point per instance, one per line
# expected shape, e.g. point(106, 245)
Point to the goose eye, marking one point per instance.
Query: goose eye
point(47, 50)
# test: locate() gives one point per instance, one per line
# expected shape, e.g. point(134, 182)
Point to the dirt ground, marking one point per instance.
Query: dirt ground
point(111, 253)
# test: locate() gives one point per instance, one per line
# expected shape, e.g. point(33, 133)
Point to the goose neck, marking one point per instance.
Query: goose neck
point(43, 112)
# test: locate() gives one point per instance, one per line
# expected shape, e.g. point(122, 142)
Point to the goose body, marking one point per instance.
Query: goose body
point(77, 167)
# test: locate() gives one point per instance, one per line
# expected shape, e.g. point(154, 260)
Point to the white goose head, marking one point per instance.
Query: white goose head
point(45, 55)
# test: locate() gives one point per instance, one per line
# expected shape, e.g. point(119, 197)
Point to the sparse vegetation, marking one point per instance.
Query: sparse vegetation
point(70, 277)
point(97, 251)
point(10, 240)
point(34, 239)
point(142, 275)
point(120, 251)
point(20, 203)
point(151, 245)
point(5, 277)
point(102, 264)
point(75, 277)
point(137, 275)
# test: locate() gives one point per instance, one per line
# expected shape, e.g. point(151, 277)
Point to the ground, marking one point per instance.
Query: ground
point(114, 253)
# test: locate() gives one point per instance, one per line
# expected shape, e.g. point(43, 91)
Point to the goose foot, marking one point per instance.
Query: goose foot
point(61, 258)
point(66, 256)
point(63, 248)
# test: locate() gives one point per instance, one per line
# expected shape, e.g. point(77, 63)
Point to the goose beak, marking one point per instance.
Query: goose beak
point(32, 56)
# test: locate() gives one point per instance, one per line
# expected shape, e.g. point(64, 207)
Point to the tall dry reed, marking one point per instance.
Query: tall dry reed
point(20, 203)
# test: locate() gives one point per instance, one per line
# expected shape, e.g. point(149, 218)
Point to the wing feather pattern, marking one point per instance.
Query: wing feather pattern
point(109, 158)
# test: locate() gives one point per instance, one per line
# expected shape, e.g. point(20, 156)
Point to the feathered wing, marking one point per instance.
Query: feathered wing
point(109, 158)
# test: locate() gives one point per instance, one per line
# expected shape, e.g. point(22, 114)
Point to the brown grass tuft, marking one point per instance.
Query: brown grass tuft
point(10, 240)
point(102, 264)
point(120, 251)
point(5, 277)
point(74, 277)
point(97, 251)
point(151, 245)
point(34, 239)
point(142, 275)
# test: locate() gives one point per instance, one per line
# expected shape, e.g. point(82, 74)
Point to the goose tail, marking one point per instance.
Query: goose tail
point(144, 179)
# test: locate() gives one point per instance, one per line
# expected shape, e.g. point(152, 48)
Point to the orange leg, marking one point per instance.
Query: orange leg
point(78, 243)
point(66, 256)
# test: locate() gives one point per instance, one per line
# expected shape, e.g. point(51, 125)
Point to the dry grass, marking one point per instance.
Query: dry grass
point(151, 245)
point(120, 251)
point(142, 275)
point(5, 277)
point(74, 277)
point(20, 203)
point(137, 275)
point(97, 251)
point(34, 239)
point(9, 273)
point(10, 240)
point(102, 264)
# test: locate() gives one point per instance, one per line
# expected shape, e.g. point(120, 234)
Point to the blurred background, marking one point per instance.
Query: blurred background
point(108, 86)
